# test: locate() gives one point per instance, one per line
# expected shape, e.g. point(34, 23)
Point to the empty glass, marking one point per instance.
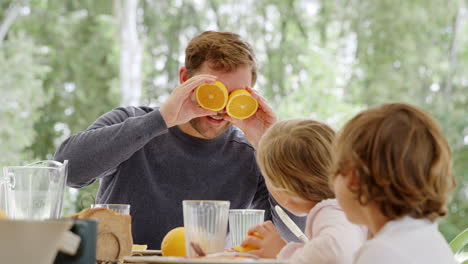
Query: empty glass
point(205, 225)
point(240, 221)
point(34, 191)
point(119, 208)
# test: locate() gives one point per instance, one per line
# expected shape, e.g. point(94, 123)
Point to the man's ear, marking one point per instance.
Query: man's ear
point(183, 74)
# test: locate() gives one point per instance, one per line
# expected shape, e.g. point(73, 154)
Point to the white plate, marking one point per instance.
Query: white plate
point(181, 260)
point(147, 252)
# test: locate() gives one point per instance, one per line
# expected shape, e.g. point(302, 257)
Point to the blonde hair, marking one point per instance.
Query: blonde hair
point(224, 51)
point(401, 159)
point(295, 155)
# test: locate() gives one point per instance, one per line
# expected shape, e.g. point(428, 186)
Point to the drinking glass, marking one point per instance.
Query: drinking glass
point(240, 221)
point(205, 223)
point(34, 191)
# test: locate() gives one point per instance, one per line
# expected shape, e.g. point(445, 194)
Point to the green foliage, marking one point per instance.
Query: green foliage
point(325, 59)
point(58, 79)
point(82, 55)
point(419, 57)
point(21, 96)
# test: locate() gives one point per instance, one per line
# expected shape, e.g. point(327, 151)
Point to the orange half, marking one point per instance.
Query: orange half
point(241, 104)
point(212, 96)
point(247, 248)
point(243, 249)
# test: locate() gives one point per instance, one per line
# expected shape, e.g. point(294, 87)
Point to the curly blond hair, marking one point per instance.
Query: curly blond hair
point(295, 155)
point(224, 51)
point(401, 159)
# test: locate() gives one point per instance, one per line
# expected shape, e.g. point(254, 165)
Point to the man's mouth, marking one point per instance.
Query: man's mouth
point(216, 118)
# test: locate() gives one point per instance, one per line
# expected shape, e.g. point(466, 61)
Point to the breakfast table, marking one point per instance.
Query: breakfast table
point(199, 260)
point(154, 256)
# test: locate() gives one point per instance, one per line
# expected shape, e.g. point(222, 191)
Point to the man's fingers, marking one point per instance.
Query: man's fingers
point(256, 95)
point(198, 111)
point(192, 83)
point(199, 79)
point(263, 103)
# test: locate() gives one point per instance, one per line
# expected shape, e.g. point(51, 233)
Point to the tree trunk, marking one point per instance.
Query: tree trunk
point(130, 52)
point(11, 14)
point(452, 56)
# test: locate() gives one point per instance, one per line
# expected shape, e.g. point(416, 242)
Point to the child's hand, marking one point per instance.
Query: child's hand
point(265, 239)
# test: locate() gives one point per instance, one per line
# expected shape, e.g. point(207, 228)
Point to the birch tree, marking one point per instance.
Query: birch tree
point(12, 12)
point(130, 52)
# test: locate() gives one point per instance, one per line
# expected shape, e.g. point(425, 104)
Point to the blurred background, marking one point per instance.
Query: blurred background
point(63, 63)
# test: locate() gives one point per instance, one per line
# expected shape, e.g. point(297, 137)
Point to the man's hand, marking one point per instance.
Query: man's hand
point(266, 239)
point(255, 126)
point(181, 106)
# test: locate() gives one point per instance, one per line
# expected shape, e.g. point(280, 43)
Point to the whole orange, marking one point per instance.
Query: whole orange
point(3, 214)
point(173, 243)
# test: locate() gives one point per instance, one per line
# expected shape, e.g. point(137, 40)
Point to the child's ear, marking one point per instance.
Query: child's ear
point(352, 180)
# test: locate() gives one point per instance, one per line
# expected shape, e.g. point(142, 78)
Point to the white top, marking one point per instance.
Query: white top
point(406, 240)
point(333, 239)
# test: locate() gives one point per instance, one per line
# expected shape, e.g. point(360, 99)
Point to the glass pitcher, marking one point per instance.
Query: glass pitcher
point(34, 191)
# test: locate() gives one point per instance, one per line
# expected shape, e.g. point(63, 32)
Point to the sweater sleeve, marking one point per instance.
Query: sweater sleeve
point(109, 141)
point(261, 199)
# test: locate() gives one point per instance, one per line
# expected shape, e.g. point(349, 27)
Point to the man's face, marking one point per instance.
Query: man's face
point(210, 127)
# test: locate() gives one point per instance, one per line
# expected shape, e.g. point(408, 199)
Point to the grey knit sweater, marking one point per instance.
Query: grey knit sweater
point(141, 162)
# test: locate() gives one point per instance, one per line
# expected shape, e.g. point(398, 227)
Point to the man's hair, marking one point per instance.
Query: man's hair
point(224, 51)
point(401, 160)
point(295, 155)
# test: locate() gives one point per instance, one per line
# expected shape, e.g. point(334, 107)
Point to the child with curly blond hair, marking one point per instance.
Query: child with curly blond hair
point(295, 159)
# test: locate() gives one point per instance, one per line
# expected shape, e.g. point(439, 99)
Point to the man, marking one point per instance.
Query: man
point(154, 158)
